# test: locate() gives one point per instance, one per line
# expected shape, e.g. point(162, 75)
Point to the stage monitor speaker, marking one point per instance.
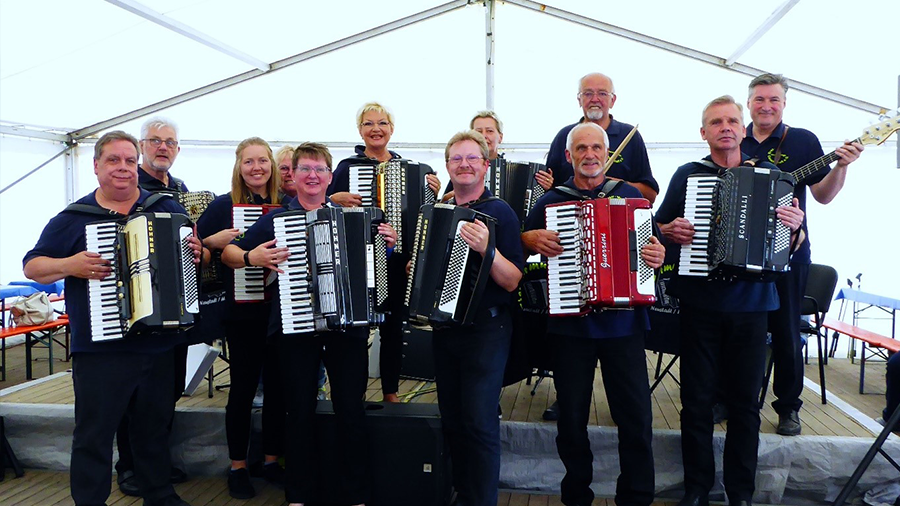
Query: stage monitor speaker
point(408, 464)
point(418, 357)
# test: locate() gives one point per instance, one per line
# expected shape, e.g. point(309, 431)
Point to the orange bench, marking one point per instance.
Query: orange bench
point(881, 345)
point(34, 335)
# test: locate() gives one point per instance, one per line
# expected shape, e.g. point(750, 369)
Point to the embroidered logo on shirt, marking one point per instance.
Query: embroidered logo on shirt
point(771, 157)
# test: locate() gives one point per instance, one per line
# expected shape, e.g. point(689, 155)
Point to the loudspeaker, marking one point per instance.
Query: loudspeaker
point(408, 464)
point(418, 357)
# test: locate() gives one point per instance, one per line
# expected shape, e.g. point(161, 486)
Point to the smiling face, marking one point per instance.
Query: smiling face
point(766, 104)
point(488, 128)
point(256, 168)
point(467, 172)
point(375, 130)
point(588, 153)
point(723, 127)
point(116, 168)
point(312, 177)
point(159, 158)
point(287, 181)
point(596, 97)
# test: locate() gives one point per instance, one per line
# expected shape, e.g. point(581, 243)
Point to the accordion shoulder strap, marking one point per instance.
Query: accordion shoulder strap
point(608, 187)
point(474, 202)
point(565, 190)
point(750, 162)
point(100, 211)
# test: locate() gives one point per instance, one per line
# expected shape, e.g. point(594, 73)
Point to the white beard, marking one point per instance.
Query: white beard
point(594, 115)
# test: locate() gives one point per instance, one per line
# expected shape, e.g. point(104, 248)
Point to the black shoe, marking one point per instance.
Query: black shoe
point(172, 500)
point(789, 424)
point(128, 484)
point(239, 485)
point(693, 499)
point(177, 476)
point(274, 474)
point(551, 414)
point(720, 413)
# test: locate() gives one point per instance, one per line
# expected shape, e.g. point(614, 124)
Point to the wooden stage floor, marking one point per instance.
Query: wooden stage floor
point(517, 403)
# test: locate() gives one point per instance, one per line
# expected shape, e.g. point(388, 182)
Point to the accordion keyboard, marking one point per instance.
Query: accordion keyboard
point(565, 278)
point(104, 294)
point(361, 178)
point(293, 283)
point(698, 209)
point(249, 282)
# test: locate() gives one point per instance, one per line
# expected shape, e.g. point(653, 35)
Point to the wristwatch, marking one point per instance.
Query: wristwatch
point(247, 259)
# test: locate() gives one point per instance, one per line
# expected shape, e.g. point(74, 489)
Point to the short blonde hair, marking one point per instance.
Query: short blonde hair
point(487, 114)
point(723, 100)
point(240, 192)
point(373, 106)
point(468, 135)
point(282, 151)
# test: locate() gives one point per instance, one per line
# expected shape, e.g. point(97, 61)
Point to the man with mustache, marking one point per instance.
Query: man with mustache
point(159, 148)
point(615, 338)
point(720, 319)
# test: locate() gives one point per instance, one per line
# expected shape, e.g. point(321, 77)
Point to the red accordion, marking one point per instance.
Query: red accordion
point(601, 264)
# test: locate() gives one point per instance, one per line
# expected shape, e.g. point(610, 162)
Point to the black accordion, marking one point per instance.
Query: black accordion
point(398, 187)
point(447, 277)
point(737, 233)
point(195, 203)
point(153, 285)
point(514, 182)
point(336, 274)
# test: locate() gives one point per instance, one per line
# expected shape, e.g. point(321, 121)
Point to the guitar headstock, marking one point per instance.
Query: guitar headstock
point(876, 134)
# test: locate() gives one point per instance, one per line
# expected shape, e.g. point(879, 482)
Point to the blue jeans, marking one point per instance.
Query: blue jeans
point(468, 364)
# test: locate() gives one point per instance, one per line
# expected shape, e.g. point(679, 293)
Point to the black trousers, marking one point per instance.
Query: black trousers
point(346, 360)
point(123, 433)
point(108, 387)
point(251, 352)
point(624, 370)
point(730, 349)
point(391, 330)
point(787, 348)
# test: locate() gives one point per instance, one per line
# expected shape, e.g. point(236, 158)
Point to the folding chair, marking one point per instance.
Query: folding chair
point(820, 285)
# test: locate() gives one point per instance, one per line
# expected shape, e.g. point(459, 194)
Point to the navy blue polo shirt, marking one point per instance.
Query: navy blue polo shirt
point(736, 296)
point(340, 180)
point(800, 147)
point(608, 323)
point(151, 184)
point(633, 165)
point(63, 237)
point(218, 217)
point(507, 241)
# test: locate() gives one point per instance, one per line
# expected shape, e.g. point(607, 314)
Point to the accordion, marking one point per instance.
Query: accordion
point(250, 282)
point(153, 285)
point(514, 182)
point(447, 277)
point(601, 262)
point(398, 187)
point(195, 203)
point(736, 230)
point(336, 274)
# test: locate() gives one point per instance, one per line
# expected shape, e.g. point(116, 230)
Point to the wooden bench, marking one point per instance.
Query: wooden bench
point(880, 344)
point(35, 335)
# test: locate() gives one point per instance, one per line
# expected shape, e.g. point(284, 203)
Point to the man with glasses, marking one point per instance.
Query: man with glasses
point(159, 148)
point(469, 360)
point(596, 96)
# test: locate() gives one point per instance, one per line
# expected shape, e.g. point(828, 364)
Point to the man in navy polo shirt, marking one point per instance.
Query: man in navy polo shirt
point(720, 320)
point(129, 377)
point(159, 148)
point(615, 337)
point(469, 360)
point(596, 96)
point(789, 148)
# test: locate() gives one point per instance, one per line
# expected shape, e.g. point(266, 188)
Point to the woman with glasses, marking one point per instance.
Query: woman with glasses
point(254, 180)
point(376, 125)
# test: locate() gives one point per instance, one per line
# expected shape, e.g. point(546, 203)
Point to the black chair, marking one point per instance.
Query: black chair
point(820, 285)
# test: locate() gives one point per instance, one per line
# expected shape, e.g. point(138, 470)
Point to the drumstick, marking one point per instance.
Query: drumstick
point(618, 151)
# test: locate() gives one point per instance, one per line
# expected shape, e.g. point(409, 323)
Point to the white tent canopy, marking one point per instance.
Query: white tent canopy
point(70, 69)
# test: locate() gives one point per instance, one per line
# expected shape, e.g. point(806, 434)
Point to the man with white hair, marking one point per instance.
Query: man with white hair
point(159, 148)
point(615, 338)
point(596, 96)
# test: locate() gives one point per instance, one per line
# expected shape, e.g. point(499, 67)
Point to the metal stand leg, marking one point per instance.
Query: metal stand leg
point(870, 455)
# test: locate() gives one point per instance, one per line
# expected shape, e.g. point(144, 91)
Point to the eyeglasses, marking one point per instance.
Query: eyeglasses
point(306, 169)
point(156, 142)
point(370, 124)
point(589, 94)
point(472, 159)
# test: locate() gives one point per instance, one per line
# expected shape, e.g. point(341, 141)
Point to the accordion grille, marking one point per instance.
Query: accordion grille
point(455, 267)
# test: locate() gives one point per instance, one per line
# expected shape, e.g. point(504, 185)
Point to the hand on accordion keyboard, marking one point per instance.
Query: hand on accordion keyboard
point(268, 255)
point(389, 234)
point(543, 242)
point(220, 239)
point(346, 199)
point(476, 235)
point(791, 216)
point(544, 178)
point(196, 246)
point(88, 265)
point(653, 253)
point(433, 182)
point(679, 231)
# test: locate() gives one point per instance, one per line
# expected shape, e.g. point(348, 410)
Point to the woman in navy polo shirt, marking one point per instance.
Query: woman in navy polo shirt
point(253, 181)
